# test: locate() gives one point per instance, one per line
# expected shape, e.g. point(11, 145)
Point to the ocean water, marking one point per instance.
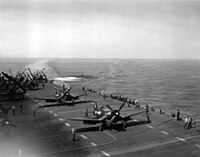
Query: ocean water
point(166, 84)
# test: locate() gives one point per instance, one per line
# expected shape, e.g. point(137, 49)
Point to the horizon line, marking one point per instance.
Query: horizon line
point(102, 58)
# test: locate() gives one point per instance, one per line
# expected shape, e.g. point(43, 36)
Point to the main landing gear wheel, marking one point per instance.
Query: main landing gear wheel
point(124, 124)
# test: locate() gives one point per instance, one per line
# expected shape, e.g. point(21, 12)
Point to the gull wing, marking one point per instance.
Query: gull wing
point(47, 99)
point(132, 114)
point(89, 120)
point(77, 97)
point(64, 103)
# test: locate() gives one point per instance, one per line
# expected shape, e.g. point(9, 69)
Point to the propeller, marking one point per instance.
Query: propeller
point(66, 92)
point(112, 119)
point(121, 106)
point(69, 89)
point(108, 106)
point(115, 113)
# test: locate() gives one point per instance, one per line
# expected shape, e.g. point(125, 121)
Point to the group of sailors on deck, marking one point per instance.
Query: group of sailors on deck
point(129, 101)
point(188, 121)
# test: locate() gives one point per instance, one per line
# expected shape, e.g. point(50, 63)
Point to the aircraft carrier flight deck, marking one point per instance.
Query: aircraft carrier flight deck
point(48, 132)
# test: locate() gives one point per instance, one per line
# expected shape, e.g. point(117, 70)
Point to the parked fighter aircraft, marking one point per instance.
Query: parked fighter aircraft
point(107, 117)
point(13, 89)
point(63, 97)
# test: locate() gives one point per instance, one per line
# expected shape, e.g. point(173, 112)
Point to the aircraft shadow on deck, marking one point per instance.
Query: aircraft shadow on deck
point(116, 127)
point(35, 89)
point(67, 104)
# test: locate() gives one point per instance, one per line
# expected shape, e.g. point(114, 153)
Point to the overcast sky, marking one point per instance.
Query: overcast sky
point(100, 28)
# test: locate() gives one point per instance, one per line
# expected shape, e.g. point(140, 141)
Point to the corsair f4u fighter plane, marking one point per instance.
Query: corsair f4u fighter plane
point(64, 98)
point(107, 117)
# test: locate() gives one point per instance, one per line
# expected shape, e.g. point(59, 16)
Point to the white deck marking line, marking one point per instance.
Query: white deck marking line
point(83, 136)
point(67, 124)
point(106, 154)
point(60, 119)
point(51, 111)
point(181, 139)
point(110, 135)
point(55, 115)
point(197, 145)
point(93, 144)
point(126, 150)
point(166, 133)
point(149, 126)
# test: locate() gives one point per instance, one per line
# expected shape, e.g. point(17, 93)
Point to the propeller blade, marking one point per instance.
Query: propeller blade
point(108, 106)
point(121, 106)
point(69, 89)
point(112, 119)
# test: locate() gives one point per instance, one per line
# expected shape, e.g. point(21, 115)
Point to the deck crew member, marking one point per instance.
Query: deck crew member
point(13, 109)
point(173, 114)
point(34, 111)
point(178, 115)
point(147, 108)
point(73, 134)
point(185, 121)
point(63, 87)
point(128, 102)
point(189, 123)
point(137, 105)
point(21, 108)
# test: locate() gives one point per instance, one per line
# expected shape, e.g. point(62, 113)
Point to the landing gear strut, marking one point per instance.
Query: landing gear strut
point(101, 127)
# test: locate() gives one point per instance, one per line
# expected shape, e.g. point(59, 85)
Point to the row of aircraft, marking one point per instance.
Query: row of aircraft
point(105, 116)
point(12, 87)
point(15, 87)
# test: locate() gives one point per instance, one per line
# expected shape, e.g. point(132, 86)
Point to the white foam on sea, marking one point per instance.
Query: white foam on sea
point(65, 80)
point(68, 79)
